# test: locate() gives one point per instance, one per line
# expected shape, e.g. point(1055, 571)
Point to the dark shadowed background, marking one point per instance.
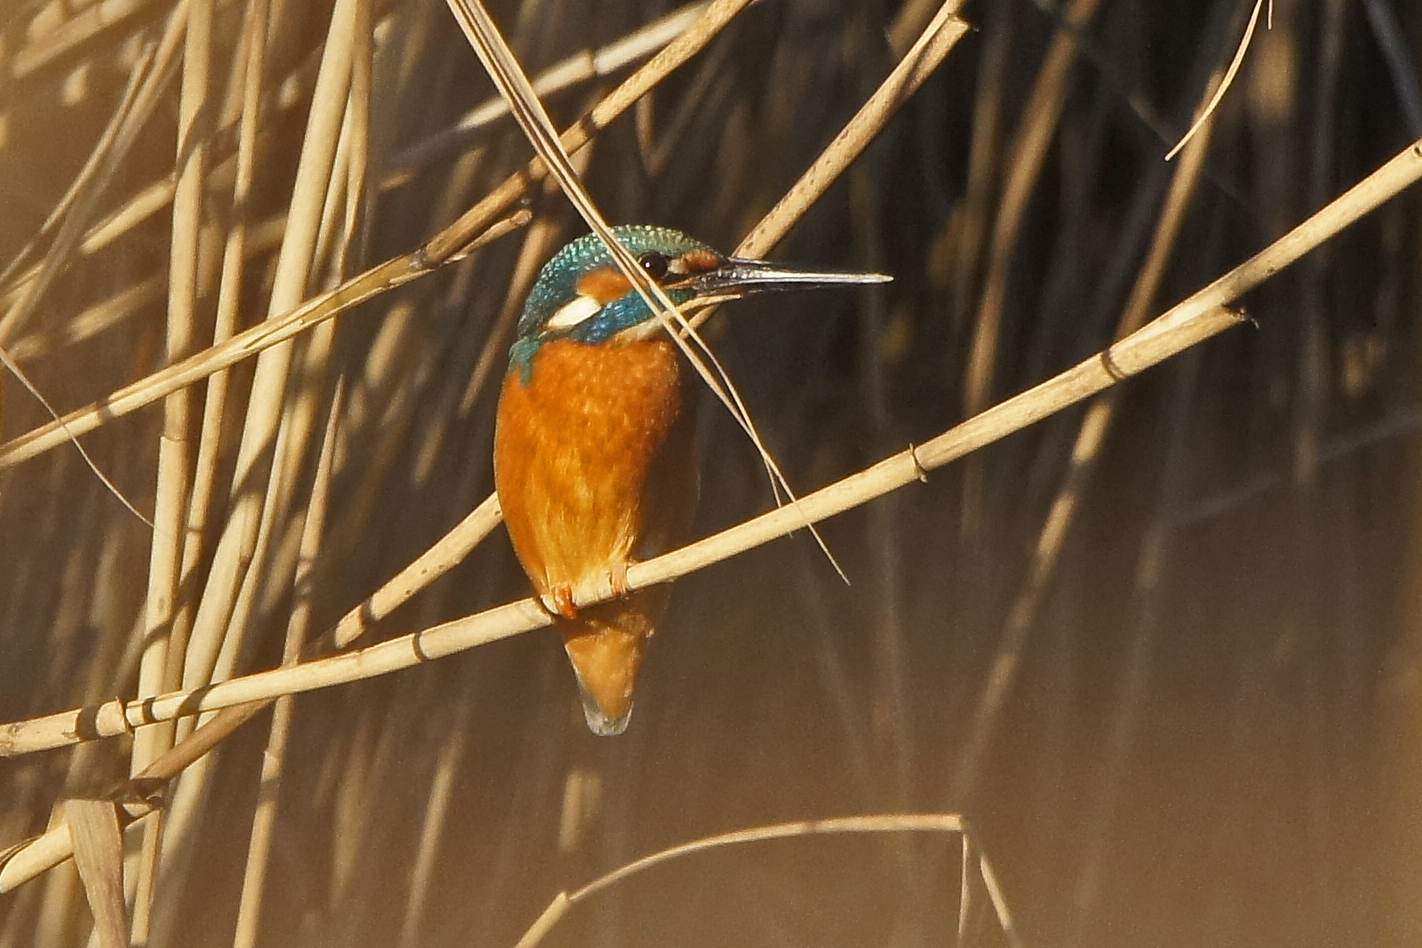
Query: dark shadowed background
point(1210, 711)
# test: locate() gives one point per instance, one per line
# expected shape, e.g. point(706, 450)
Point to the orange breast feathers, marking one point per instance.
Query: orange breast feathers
point(594, 461)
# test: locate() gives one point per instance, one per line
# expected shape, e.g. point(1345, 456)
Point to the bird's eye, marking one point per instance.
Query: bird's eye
point(654, 263)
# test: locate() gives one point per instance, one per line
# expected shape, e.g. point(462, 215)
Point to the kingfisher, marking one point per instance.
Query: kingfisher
point(594, 446)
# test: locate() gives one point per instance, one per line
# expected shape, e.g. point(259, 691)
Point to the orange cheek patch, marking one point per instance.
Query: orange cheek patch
point(604, 285)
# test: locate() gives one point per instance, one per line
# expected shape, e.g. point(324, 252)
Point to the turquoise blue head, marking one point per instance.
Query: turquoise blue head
point(582, 296)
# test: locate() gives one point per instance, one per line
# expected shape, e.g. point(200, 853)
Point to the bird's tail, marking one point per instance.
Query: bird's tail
point(605, 644)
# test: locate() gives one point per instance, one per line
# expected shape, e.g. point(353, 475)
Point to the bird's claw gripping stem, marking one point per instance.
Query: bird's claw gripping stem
point(618, 578)
point(559, 601)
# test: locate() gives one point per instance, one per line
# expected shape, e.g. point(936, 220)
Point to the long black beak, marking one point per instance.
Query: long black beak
point(741, 277)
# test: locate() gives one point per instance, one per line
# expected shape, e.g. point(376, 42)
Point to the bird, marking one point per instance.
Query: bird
point(595, 462)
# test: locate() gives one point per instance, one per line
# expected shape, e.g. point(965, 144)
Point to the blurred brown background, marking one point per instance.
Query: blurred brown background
point(1210, 730)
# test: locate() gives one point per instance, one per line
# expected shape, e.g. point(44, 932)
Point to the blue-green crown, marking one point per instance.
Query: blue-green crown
point(557, 282)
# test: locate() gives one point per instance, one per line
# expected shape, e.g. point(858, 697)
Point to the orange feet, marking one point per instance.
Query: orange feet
point(559, 601)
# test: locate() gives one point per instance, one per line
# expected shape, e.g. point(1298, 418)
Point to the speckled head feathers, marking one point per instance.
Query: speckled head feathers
point(557, 283)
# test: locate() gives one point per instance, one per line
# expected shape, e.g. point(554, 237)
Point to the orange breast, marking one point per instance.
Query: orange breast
point(593, 458)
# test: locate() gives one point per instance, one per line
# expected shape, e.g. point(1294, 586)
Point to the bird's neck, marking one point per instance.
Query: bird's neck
point(524, 354)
